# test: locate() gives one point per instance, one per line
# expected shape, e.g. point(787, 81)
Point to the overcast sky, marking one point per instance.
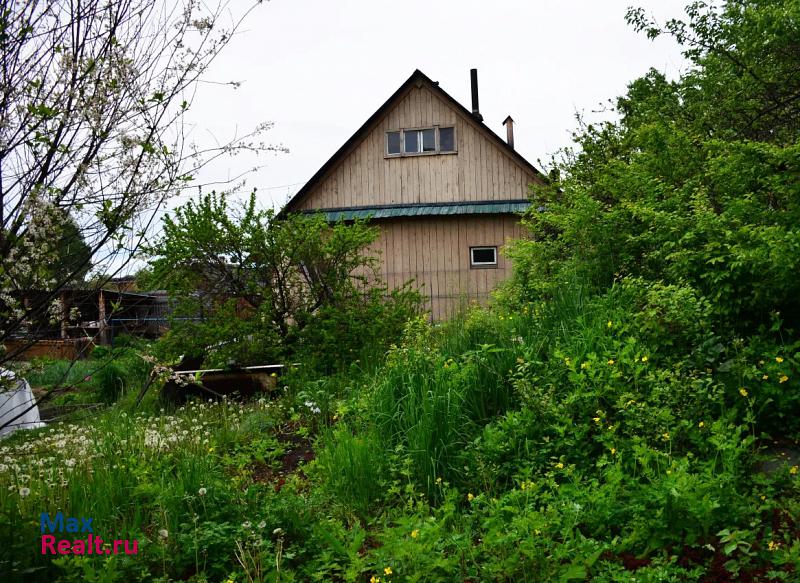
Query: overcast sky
point(319, 68)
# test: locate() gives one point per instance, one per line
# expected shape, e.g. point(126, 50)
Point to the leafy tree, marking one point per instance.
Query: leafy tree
point(696, 188)
point(257, 288)
point(74, 256)
point(91, 135)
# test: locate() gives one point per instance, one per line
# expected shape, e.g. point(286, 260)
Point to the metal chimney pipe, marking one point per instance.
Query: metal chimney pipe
point(509, 123)
point(476, 112)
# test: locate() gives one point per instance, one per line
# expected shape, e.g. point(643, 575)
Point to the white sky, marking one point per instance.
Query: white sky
point(319, 68)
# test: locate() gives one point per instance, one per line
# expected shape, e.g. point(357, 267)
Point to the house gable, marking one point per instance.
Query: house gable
point(483, 169)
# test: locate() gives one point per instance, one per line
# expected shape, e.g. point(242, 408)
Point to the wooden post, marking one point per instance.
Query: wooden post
point(101, 317)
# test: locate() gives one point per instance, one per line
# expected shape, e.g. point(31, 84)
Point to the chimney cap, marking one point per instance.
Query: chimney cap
point(508, 119)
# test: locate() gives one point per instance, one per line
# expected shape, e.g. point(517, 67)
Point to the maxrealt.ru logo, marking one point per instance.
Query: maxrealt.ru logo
point(91, 545)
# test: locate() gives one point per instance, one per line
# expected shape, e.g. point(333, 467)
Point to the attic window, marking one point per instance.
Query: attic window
point(419, 141)
point(483, 257)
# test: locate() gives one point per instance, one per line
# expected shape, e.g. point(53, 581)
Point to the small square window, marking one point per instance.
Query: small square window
point(447, 142)
point(483, 256)
point(393, 142)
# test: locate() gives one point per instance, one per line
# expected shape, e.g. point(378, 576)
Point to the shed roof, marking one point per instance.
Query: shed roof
point(423, 210)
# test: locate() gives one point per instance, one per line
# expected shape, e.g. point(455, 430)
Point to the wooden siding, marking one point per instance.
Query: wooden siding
point(434, 251)
point(479, 171)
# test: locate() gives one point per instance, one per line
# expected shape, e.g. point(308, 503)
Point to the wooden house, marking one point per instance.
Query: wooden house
point(445, 190)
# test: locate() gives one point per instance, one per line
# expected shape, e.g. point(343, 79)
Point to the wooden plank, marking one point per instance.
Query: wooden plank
point(388, 257)
point(431, 119)
point(486, 149)
point(212, 370)
point(413, 249)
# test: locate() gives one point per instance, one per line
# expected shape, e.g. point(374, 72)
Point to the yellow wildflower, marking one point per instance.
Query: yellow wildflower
point(743, 392)
point(415, 533)
point(584, 365)
point(596, 419)
point(665, 436)
point(772, 545)
point(793, 470)
point(613, 451)
point(644, 358)
point(701, 424)
point(765, 377)
point(611, 362)
point(567, 361)
point(560, 465)
point(610, 323)
point(387, 571)
point(438, 481)
point(470, 497)
point(763, 497)
point(779, 359)
point(783, 379)
point(374, 579)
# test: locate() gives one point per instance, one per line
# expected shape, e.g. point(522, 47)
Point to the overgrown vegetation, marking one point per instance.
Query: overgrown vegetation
point(626, 411)
point(104, 377)
point(260, 290)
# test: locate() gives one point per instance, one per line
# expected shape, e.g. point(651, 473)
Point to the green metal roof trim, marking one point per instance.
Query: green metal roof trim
point(432, 210)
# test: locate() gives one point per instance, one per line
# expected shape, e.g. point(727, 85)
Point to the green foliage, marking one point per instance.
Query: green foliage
point(73, 257)
point(255, 288)
point(696, 187)
point(106, 375)
point(428, 400)
point(350, 331)
point(354, 469)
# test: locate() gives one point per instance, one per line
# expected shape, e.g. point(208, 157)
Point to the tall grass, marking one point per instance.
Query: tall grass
point(134, 475)
point(355, 467)
point(440, 386)
point(418, 407)
point(104, 376)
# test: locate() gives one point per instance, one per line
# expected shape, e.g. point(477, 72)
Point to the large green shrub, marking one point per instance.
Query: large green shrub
point(254, 288)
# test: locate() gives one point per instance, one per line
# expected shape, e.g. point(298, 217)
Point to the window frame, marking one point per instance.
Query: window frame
point(437, 142)
point(482, 265)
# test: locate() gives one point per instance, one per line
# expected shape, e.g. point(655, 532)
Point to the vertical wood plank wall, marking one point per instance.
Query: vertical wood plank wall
point(434, 251)
point(479, 171)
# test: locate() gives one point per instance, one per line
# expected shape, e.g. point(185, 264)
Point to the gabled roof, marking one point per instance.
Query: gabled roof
point(416, 77)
